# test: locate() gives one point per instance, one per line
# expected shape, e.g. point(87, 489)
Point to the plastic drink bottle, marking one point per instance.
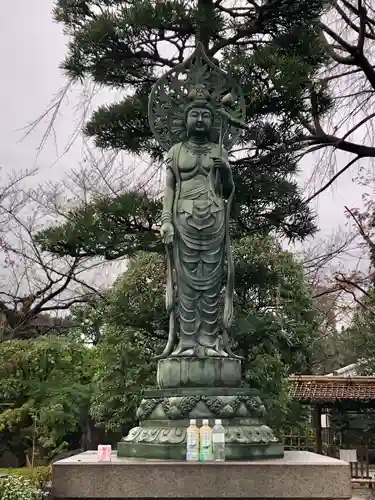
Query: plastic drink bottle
point(205, 442)
point(218, 441)
point(192, 441)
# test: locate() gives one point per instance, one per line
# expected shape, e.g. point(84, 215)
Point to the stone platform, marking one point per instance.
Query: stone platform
point(164, 417)
point(200, 388)
point(299, 475)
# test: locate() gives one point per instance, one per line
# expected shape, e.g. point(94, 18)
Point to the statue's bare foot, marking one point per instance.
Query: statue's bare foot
point(212, 353)
point(179, 352)
point(198, 352)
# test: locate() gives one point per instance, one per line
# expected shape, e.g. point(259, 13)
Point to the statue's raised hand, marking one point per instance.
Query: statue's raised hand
point(167, 233)
point(220, 163)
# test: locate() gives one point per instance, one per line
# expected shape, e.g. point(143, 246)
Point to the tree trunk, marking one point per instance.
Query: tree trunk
point(205, 14)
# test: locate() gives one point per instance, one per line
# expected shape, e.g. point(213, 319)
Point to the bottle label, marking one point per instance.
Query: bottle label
point(192, 439)
point(206, 439)
point(205, 444)
point(218, 438)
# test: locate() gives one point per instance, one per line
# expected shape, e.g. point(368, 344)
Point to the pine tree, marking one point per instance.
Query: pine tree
point(271, 47)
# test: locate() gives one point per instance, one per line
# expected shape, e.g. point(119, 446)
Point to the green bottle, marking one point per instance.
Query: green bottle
point(205, 442)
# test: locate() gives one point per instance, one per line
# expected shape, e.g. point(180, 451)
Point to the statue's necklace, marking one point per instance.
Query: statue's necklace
point(198, 149)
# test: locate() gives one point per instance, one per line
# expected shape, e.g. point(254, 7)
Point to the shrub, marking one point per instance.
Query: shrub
point(48, 380)
point(37, 476)
point(19, 488)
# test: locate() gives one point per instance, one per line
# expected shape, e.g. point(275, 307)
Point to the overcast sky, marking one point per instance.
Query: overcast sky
point(31, 47)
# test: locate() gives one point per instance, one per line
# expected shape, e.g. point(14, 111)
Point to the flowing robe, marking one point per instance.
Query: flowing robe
point(199, 249)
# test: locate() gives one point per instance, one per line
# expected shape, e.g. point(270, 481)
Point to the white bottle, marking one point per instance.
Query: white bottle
point(192, 441)
point(218, 441)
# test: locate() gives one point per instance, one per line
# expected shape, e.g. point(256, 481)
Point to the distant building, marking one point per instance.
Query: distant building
point(345, 371)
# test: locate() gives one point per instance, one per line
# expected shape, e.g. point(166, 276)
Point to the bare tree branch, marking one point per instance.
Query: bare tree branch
point(34, 283)
point(362, 232)
point(332, 180)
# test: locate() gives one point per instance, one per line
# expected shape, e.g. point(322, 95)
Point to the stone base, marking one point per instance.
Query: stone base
point(299, 475)
point(164, 417)
point(244, 440)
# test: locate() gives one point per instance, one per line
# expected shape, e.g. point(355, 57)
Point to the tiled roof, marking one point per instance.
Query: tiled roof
point(320, 389)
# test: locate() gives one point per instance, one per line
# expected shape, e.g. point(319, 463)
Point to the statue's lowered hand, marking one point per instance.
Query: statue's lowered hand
point(167, 233)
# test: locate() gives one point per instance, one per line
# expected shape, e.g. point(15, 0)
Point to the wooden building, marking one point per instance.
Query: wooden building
point(340, 392)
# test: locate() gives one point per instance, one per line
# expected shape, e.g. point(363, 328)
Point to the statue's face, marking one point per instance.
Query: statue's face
point(199, 122)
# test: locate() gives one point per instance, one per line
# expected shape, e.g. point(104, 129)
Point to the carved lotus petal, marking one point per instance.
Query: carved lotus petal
point(174, 412)
point(227, 411)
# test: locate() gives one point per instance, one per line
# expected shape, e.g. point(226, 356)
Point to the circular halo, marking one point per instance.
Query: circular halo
point(169, 98)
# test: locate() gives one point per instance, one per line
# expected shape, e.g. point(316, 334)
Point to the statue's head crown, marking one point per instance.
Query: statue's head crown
point(198, 82)
point(199, 93)
point(199, 97)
